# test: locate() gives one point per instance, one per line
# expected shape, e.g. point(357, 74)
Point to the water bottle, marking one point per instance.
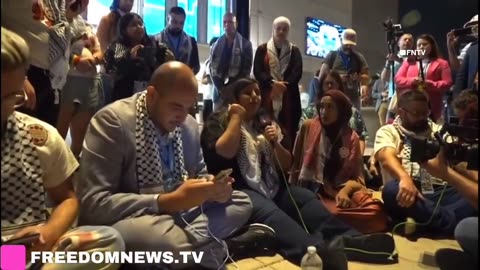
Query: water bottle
point(311, 260)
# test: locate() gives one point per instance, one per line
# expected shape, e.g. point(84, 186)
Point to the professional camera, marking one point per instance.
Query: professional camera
point(462, 148)
point(393, 31)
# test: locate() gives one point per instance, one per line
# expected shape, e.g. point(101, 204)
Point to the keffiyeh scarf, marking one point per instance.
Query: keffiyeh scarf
point(278, 65)
point(149, 167)
point(255, 160)
point(22, 191)
point(235, 60)
point(412, 168)
point(183, 51)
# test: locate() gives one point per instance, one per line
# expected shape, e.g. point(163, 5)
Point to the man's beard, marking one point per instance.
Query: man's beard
point(175, 32)
point(347, 50)
point(418, 127)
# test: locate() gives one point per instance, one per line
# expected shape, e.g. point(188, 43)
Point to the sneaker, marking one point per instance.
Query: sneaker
point(374, 248)
point(252, 239)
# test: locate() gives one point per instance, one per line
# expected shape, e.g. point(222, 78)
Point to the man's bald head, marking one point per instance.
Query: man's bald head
point(230, 23)
point(172, 93)
point(174, 75)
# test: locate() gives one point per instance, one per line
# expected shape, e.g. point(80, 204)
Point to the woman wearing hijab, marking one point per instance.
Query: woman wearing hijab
point(330, 81)
point(133, 57)
point(278, 68)
point(327, 160)
point(244, 138)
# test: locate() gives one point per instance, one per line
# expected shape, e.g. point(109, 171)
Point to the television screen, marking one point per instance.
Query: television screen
point(322, 37)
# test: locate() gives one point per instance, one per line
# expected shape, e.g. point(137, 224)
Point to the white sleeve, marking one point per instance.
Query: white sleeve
point(56, 158)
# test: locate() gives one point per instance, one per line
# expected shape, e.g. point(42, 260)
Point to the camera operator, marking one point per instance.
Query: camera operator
point(405, 42)
point(452, 42)
point(400, 195)
point(467, 76)
point(464, 181)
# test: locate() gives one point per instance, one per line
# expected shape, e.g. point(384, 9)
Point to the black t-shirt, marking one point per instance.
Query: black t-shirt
point(213, 129)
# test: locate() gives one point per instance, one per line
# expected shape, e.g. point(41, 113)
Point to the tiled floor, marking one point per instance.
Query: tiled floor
point(412, 256)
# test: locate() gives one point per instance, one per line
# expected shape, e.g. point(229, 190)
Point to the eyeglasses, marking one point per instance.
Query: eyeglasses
point(16, 100)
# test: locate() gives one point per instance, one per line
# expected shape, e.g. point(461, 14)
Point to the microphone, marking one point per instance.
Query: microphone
point(265, 120)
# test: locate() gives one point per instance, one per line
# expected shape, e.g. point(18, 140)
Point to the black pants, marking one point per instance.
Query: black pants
point(45, 109)
point(281, 215)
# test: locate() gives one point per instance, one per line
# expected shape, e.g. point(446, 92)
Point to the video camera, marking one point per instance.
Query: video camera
point(393, 32)
point(463, 148)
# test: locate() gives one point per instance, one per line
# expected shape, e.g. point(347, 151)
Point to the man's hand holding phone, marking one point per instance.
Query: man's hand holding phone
point(222, 188)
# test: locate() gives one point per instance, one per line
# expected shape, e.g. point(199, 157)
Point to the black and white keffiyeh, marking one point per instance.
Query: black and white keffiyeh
point(278, 65)
point(148, 162)
point(235, 61)
point(255, 160)
point(412, 168)
point(22, 191)
point(184, 50)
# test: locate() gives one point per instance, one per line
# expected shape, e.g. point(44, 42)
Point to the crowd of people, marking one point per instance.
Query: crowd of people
point(139, 173)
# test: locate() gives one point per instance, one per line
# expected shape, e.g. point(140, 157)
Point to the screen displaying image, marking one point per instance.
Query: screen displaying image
point(322, 37)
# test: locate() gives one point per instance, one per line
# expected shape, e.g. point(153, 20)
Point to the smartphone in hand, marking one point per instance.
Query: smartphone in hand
point(27, 240)
point(220, 177)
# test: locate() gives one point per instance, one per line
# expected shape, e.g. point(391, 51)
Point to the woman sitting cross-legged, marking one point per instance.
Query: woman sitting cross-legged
point(327, 160)
point(243, 138)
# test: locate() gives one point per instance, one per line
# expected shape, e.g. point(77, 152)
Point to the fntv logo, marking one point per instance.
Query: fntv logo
point(412, 52)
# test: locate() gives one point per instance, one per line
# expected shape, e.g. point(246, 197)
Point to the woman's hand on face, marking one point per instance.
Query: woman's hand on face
point(236, 110)
point(134, 51)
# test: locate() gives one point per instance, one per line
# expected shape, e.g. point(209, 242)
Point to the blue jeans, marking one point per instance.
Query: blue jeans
point(466, 234)
point(453, 208)
point(281, 215)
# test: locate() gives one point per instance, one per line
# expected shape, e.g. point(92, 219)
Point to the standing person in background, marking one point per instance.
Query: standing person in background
point(351, 65)
point(107, 32)
point(405, 42)
point(231, 58)
point(452, 41)
point(133, 57)
point(314, 87)
point(48, 31)
point(380, 94)
point(278, 68)
point(183, 46)
point(82, 95)
point(438, 76)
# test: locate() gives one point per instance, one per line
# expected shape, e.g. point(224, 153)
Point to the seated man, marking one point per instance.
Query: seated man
point(35, 160)
point(143, 173)
point(400, 194)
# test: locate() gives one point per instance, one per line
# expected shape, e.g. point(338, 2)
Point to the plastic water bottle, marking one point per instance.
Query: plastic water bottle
point(311, 260)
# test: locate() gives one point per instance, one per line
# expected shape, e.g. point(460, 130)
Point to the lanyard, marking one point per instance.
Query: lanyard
point(167, 156)
point(346, 59)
